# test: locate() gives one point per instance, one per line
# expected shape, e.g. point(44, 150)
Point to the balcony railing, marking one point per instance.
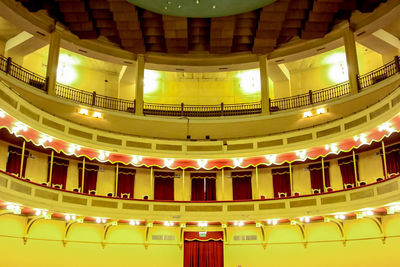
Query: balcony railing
point(379, 74)
point(182, 110)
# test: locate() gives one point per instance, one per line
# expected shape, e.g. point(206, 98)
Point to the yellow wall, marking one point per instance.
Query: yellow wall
point(369, 168)
point(124, 245)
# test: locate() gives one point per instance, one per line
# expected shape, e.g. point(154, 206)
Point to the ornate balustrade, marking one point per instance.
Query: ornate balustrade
point(182, 110)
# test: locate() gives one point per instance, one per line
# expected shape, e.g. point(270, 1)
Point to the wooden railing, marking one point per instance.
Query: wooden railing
point(182, 110)
point(379, 74)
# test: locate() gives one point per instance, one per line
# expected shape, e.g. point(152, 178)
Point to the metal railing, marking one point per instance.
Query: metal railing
point(94, 99)
point(312, 97)
point(182, 110)
point(379, 74)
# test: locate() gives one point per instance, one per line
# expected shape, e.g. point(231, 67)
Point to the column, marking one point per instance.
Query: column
point(139, 85)
point(52, 62)
point(351, 59)
point(264, 85)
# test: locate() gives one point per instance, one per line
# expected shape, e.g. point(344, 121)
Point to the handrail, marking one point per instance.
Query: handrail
point(182, 110)
point(380, 74)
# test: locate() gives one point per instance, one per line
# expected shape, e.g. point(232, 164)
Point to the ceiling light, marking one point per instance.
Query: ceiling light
point(97, 114)
point(83, 111)
point(307, 114)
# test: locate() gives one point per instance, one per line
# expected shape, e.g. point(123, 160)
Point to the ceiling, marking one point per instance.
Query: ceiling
point(259, 31)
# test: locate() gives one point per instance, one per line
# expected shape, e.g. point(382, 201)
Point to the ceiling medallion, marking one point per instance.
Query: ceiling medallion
point(200, 8)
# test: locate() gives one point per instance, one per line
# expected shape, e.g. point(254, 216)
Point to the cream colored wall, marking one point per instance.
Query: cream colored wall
point(36, 167)
point(335, 175)
point(4, 157)
point(124, 245)
point(370, 166)
point(72, 175)
point(105, 180)
point(142, 184)
point(200, 88)
point(301, 180)
point(265, 182)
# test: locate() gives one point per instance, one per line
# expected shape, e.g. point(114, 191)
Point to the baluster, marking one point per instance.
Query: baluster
point(93, 98)
point(397, 63)
point(182, 109)
point(222, 109)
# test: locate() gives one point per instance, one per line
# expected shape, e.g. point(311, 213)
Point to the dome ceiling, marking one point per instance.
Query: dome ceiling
point(259, 31)
point(200, 8)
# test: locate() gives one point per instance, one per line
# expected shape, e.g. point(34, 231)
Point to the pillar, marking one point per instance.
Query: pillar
point(139, 85)
point(351, 59)
point(264, 85)
point(52, 62)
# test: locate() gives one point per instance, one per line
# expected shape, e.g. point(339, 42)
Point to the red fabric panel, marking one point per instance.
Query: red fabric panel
point(163, 188)
point(316, 176)
point(215, 236)
point(205, 251)
point(347, 170)
point(14, 160)
point(392, 159)
point(126, 181)
point(241, 188)
point(203, 254)
point(59, 173)
point(203, 189)
point(281, 181)
point(90, 180)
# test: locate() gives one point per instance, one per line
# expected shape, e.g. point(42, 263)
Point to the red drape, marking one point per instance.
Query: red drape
point(205, 251)
point(203, 186)
point(90, 179)
point(281, 181)
point(347, 170)
point(392, 159)
point(14, 160)
point(59, 173)
point(241, 185)
point(164, 185)
point(316, 176)
point(126, 181)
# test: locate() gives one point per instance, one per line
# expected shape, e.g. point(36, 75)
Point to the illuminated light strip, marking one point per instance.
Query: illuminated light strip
point(344, 145)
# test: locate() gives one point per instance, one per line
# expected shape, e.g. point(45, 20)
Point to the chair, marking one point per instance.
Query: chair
point(281, 194)
point(348, 186)
point(109, 194)
point(379, 179)
point(362, 183)
point(92, 192)
point(45, 183)
point(76, 190)
point(329, 189)
point(262, 197)
point(296, 194)
point(58, 186)
point(146, 197)
point(316, 191)
point(125, 195)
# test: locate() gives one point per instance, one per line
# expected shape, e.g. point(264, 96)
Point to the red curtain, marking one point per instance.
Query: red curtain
point(347, 170)
point(392, 159)
point(241, 185)
point(90, 179)
point(164, 185)
point(203, 186)
point(126, 181)
point(316, 176)
point(205, 251)
point(281, 181)
point(14, 160)
point(59, 173)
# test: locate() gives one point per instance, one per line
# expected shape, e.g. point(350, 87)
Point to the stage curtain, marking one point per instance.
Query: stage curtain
point(316, 176)
point(14, 160)
point(59, 173)
point(164, 185)
point(241, 185)
point(90, 180)
point(203, 186)
point(281, 181)
point(392, 159)
point(347, 170)
point(126, 181)
point(205, 251)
